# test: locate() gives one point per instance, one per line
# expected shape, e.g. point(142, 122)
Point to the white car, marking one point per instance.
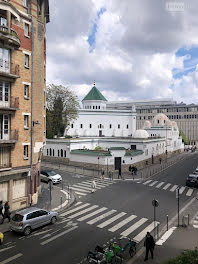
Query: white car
point(48, 175)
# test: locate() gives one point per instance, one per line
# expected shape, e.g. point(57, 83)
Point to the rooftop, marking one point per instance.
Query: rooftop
point(94, 95)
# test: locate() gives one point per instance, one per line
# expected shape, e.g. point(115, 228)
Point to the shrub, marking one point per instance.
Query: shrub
point(187, 257)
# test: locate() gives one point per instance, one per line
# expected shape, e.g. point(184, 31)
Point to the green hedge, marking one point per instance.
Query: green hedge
point(187, 257)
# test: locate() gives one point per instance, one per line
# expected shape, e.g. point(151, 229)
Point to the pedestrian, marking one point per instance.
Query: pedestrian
point(6, 212)
point(110, 175)
point(1, 238)
point(102, 174)
point(160, 160)
point(93, 186)
point(132, 170)
point(135, 170)
point(149, 243)
point(1, 208)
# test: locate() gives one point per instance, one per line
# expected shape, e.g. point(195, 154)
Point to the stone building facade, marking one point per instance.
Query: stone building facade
point(22, 98)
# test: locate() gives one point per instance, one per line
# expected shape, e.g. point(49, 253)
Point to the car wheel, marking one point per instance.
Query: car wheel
point(27, 231)
point(53, 220)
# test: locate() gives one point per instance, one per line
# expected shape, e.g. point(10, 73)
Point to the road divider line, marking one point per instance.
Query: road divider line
point(97, 219)
point(11, 258)
point(83, 211)
point(57, 236)
point(75, 209)
point(122, 223)
point(83, 194)
point(5, 249)
point(111, 220)
point(161, 241)
point(132, 228)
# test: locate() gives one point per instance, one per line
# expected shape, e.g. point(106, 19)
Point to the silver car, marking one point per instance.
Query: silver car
point(26, 220)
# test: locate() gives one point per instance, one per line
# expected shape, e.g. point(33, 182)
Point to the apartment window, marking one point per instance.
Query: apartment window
point(53, 152)
point(72, 125)
point(58, 152)
point(25, 152)
point(4, 92)
point(27, 61)
point(90, 125)
point(118, 125)
point(50, 152)
point(24, 3)
point(61, 153)
point(47, 152)
point(26, 91)
point(98, 107)
point(93, 107)
point(110, 126)
point(26, 121)
point(65, 153)
point(39, 7)
point(127, 126)
point(81, 125)
point(26, 30)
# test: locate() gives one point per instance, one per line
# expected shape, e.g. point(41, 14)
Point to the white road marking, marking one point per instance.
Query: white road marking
point(78, 203)
point(57, 236)
point(91, 222)
point(161, 241)
point(83, 187)
point(111, 220)
point(189, 192)
point(83, 194)
point(75, 209)
point(133, 227)
point(4, 249)
point(42, 232)
point(173, 188)
point(86, 185)
point(182, 189)
point(11, 258)
point(122, 223)
point(92, 214)
point(160, 184)
point(83, 211)
point(100, 183)
point(142, 234)
point(147, 182)
point(79, 190)
point(166, 186)
point(153, 183)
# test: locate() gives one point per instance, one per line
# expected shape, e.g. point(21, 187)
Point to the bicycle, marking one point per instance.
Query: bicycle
point(100, 255)
point(119, 250)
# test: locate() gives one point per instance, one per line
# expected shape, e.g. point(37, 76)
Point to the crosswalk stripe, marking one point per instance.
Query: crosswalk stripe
point(75, 209)
point(92, 214)
point(102, 183)
point(160, 184)
point(86, 185)
point(91, 222)
point(189, 192)
point(173, 188)
point(111, 220)
point(142, 234)
point(99, 184)
point(78, 189)
point(79, 193)
point(182, 189)
point(147, 182)
point(78, 203)
point(166, 186)
point(153, 183)
point(83, 211)
point(133, 227)
point(82, 187)
point(122, 223)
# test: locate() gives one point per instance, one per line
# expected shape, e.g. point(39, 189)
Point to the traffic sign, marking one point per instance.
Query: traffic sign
point(155, 203)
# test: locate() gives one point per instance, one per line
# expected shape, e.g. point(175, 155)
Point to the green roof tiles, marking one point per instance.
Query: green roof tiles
point(117, 148)
point(94, 94)
point(90, 152)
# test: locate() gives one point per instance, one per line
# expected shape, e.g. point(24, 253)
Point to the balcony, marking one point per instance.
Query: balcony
point(12, 103)
point(9, 69)
point(9, 36)
point(9, 136)
point(4, 166)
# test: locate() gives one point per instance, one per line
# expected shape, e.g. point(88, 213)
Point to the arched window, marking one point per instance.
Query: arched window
point(93, 107)
point(72, 125)
point(65, 153)
point(47, 152)
point(50, 152)
point(58, 153)
point(100, 125)
point(127, 126)
point(61, 153)
point(110, 126)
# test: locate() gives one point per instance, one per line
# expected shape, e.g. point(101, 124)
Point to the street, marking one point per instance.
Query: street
point(116, 209)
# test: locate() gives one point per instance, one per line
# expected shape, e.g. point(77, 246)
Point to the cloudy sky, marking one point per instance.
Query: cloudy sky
point(134, 49)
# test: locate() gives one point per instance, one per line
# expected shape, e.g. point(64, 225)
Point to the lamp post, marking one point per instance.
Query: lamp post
point(98, 165)
point(155, 204)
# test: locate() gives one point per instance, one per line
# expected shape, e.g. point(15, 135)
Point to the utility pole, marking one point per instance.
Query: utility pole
point(177, 197)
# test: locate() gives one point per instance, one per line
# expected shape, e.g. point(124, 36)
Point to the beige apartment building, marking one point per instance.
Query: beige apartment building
point(22, 98)
point(185, 115)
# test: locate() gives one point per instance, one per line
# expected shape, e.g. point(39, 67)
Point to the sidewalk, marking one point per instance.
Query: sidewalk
point(59, 202)
point(181, 240)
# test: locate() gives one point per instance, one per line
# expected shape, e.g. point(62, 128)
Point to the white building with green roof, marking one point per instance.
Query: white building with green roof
point(94, 120)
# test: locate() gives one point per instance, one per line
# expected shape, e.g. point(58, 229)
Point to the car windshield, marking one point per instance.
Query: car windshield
point(51, 173)
point(192, 177)
point(17, 218)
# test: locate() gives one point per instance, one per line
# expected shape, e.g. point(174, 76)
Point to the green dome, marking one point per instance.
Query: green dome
point(94, 94)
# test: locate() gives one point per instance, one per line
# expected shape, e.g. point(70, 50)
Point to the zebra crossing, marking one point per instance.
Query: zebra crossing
point(84, 188)
point(168, 187)
point(103, 218)
point(195, 221)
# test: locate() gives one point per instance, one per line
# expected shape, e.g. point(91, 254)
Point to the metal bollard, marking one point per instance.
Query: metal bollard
point(167, 222)
point(188, 219)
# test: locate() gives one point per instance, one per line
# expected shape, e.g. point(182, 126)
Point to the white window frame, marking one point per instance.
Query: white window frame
point(26, 86)
point(26, 30)
point(25, 152)
point(26, 121)
point(28, 61)
point(24, 3)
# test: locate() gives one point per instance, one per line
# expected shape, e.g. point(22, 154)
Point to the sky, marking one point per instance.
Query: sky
point(133, 49)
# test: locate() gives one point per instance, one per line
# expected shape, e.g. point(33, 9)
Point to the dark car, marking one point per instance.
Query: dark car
point(192, 180)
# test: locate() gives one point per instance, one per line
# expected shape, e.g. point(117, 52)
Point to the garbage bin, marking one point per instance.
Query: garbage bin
point(185, 221)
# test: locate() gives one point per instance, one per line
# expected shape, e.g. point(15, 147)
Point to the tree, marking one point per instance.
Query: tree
point(62, 108)
point(184, 138)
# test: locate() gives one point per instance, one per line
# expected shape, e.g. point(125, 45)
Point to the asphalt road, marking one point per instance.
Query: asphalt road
point(69, 240)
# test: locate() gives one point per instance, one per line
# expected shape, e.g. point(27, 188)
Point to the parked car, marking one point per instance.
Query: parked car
point(192, 180)
point(49, 175)
point(26, 220)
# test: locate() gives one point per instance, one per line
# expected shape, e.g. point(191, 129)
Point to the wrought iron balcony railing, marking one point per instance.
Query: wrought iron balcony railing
point(9, 135)
point(9, 68)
